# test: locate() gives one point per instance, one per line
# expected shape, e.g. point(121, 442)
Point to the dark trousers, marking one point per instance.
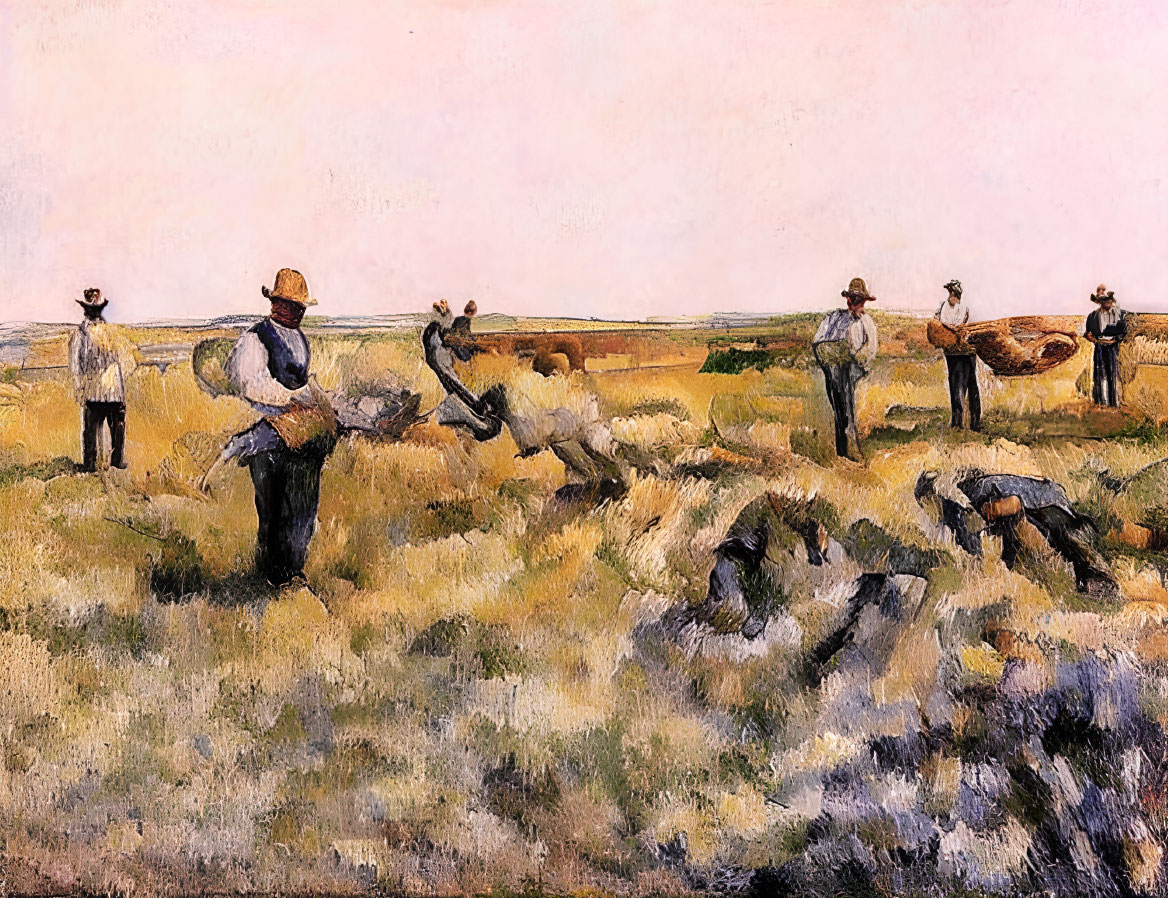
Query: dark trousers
point(1105, 370)
point(841, 381)
point(95, 415)
point(287, 494)
point(963, 389)
point(1073, 539)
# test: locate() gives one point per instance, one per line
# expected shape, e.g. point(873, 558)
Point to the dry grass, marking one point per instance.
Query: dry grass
point(222, 742)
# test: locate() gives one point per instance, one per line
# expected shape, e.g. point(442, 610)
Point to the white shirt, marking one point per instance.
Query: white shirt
point(1107, 318)
point(247, 369)
point(953, 315)
point(860, 333)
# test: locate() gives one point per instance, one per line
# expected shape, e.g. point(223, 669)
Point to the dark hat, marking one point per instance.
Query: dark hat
point(92, 300)
point(1102, 293)
point(292, 286)
point(954, 286)
point(858, 290)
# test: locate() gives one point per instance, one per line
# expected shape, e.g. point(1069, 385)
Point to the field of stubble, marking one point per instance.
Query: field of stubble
point(471, 697)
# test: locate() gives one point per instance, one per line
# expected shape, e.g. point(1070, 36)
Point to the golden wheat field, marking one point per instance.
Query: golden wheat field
point(466, 700)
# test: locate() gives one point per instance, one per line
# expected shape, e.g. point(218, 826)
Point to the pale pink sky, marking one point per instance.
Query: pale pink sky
point(613, 158)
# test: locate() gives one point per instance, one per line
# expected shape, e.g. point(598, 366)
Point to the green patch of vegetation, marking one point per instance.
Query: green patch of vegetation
point(365, 636)
point(445, 518)
point(46, 469)
point(735, 361)
point(288, 726)
point(177, 568)
point(442, 637)
point(125, 632)
point(661, 406)
point(497, 657)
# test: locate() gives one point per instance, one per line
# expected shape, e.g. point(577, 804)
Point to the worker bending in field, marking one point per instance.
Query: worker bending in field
point(100, 359)
point(269, 367)
point(461, 408)
point(960, 360)
point(1025, 512)
point(845, 346)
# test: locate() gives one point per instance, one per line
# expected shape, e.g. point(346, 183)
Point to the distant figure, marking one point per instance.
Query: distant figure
point(960, 360)
point(100, 358)
point(845, 346)
point(461, 407)
point(1106, 327)
point(269, 367)
point(459, 337)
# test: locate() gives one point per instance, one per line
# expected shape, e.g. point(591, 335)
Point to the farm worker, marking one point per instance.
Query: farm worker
point(1025, 512)
point(461, 407)
point(100, 359)
point(1106, 327)
point(960, 360)
point(459, 338)
point(752, 561)
point(269, 367)
point(845, 346)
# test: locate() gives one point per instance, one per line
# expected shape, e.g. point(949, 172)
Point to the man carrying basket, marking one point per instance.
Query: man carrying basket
point(845, 346)
point(268, 367)
point(960, 360)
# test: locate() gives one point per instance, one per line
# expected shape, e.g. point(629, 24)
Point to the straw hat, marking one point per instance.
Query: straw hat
point(290, 285)
point(858, 290)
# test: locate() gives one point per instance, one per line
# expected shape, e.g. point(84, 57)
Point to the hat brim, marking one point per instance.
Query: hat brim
point(310, 301)
point(848, 294)
point(1101, 299)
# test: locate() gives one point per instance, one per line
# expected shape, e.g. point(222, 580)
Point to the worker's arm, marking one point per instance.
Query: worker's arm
point(75, 340)
point(867, 352)
point(821, 333)
point(247, 369)
point(129, 357)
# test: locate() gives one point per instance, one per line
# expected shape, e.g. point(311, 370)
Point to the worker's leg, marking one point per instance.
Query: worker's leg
point(266, 477)
point(90, 421)
point(1098, 377)
point(956, 378)
point(301, 501)
point(1074, 540)
point(973, 392)
point(1111, 374)
point(117, 429)
point(852, 375)
point(832, 377)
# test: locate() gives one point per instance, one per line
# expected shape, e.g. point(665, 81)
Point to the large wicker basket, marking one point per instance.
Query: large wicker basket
point(1013, 347)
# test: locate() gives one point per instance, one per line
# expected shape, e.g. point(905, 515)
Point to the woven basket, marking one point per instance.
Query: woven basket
point(1013, 347)
point(945, 338)
point(209, 362)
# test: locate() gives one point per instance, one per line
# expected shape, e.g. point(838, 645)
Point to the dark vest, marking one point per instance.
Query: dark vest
point(288, 353)
point(1119, 329)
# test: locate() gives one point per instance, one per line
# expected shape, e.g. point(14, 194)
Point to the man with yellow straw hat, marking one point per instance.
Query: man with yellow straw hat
point(845, 346)
point(269, 366)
